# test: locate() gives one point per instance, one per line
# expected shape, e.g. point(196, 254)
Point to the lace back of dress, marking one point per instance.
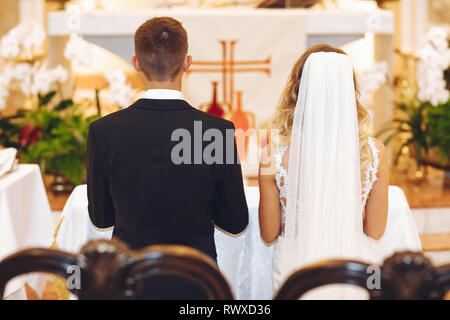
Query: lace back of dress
point(281, 177)
point(281, 180)
point(371, 173)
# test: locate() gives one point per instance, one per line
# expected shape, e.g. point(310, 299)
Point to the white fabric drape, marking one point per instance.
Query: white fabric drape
point(25, 222)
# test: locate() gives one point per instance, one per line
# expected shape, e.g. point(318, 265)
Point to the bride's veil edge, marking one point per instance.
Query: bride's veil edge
point(323, 210)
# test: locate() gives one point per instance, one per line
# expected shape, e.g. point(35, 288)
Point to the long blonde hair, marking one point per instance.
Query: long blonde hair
point(284, 114)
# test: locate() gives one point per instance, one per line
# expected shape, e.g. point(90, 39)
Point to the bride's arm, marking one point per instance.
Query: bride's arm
point(376, 211)
point(269, 203)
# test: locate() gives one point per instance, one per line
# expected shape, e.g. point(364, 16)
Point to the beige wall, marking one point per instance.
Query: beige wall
point(9, 15)
point(439, 12)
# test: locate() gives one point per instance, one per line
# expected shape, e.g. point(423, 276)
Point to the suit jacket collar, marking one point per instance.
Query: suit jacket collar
point(161, 104)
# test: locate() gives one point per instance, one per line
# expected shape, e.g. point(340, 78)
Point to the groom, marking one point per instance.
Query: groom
point(136, 181)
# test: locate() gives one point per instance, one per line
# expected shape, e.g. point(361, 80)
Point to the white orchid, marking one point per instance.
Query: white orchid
point(23, 73)
point(79, 50)
point(4, 92)
point(434, 59)
point(6, 77)
point(437, 37)
point(115, 76)
point(24, 36)
point(122, 95)
point(42, 81)
point(44, 78)
point(371, 80)
point(60, 74)
point(9, 45)
point(32, 79)
point(119, 91)
point(34, 36)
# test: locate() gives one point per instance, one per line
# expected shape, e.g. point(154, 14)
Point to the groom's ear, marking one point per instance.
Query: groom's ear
point(186, 63)
point(135, 63)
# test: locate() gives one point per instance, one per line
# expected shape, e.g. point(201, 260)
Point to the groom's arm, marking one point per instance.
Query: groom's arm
point(230, 206)
point(101, 209)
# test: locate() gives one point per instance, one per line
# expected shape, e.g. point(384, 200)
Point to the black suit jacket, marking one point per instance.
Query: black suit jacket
point(134, 185)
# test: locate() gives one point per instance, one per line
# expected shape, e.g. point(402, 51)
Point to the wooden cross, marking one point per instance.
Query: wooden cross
point(228, 67)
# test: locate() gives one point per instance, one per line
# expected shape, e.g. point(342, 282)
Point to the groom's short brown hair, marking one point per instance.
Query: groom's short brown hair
point(161, 46)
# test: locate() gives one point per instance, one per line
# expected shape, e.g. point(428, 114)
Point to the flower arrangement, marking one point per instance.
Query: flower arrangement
point(20, 49)
point(434, 59)
point(423, 112)
point(56, 137)
point(49, 129)
point(77, 49)
point(119, 91)
point(23, 40)
point(370, 80)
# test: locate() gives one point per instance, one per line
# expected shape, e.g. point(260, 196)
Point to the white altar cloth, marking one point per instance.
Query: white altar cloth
point(245, 260)
point(25, 221)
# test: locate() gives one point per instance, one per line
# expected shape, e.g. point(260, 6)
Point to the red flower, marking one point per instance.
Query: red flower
point(29, 135)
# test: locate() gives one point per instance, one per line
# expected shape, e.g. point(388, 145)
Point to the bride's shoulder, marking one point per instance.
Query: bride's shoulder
point(380, 156)
point(272, 150)
point(268, 158)
point(379, 147)
point(267, 153)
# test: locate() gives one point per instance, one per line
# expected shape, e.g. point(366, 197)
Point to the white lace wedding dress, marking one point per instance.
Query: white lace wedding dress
point(401, 232)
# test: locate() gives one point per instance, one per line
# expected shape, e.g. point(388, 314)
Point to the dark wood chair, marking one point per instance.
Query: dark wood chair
point(110, 270)
point(405, 275)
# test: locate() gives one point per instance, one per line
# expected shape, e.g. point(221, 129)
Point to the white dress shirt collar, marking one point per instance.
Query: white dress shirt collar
point(163, 94)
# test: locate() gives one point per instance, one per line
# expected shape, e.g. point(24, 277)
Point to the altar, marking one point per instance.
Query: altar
point(249, 53)
point(244, 259)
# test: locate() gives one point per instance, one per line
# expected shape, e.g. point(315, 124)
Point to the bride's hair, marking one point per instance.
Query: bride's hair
point(284, 115)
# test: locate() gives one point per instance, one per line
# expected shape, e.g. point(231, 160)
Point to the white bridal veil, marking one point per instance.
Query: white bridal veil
point(324, 210)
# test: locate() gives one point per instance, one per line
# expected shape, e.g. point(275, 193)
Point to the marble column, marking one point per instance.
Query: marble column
point(414, 24)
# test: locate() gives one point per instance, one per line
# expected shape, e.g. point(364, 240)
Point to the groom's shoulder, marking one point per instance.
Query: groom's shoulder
point(109, 120)
point(211, 121)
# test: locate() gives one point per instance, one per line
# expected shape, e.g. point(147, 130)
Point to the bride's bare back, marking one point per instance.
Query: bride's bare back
point(272, 181)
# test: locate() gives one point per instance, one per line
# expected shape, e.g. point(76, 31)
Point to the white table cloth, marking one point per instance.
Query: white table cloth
point(25, 221)
point(245, 260)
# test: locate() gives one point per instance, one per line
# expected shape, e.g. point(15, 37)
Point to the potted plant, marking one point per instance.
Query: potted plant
point(55, 137)
point(60, 148)
point(50, 129)
point(438, 134)
point(422, 113)
point(409, 125)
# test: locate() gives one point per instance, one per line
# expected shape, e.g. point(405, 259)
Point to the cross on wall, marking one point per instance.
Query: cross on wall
point(228, 66)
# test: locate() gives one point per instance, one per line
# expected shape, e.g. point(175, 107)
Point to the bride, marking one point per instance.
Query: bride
point(323, 181)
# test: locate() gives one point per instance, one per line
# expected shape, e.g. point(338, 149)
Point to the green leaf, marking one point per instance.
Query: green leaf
point(418, 153)
point(64, 104)
point(47, 98)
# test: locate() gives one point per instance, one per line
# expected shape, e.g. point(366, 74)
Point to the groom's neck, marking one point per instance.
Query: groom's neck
point(172, 85)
